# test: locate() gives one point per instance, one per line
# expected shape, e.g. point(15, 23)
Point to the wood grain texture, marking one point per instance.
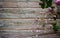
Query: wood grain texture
point(23, 13)
point(28, 4)
point(22, 24)
point(18, 19)
point(21, 0)
point(23, 10)
point(1, 0)
point(10, 4)
point(20, 4)
point(11, 15)
point(21, 36)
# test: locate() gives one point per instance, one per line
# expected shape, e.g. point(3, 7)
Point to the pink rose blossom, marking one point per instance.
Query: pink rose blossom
point(57, 2)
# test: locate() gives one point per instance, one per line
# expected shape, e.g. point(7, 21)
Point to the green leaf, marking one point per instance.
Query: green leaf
point(43, 5)
point(55, 27)
point(46, 3)
point(49, 3)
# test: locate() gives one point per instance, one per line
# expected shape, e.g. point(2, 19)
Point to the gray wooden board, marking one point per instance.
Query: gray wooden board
point(19, 4)
point(23, 13)
point(21, 0)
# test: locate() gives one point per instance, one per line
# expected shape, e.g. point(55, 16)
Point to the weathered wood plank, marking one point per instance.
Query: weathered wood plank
point(9, 10)
point(11, 0)
point(32, 15)
point(23, 10)
point(23, 35)
point(20, 4)
point(23, 13)
point(28, 4)
point(15, 26)
point(17, 23)
point(21, 0)
point(1, 0)
point(27, 32)
point(22, 23)
point(1, 4)
point(10, 4)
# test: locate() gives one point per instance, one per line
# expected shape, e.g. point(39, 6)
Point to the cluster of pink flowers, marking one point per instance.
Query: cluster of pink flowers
point(57, 2)
point(51, 10)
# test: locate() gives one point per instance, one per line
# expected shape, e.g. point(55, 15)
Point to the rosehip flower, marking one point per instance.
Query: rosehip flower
point(50, 9)
point(57, 2)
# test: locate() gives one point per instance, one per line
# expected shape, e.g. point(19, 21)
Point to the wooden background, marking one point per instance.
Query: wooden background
point(18, 19)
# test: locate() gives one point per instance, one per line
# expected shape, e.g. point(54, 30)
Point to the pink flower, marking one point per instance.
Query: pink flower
point(50, 9)
point(57, 2)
